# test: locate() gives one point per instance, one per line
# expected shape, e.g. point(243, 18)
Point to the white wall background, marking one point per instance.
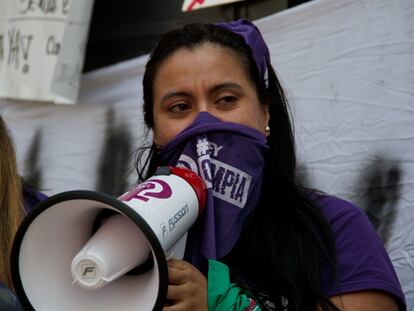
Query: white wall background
point(348, 67)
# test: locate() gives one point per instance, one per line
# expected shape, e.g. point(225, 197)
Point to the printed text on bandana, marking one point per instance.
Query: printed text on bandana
point(227, 182)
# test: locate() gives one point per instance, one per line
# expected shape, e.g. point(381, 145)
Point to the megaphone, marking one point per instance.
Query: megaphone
point(84, 250)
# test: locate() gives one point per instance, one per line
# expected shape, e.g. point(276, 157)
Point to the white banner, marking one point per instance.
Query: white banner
point(348, 68)
point(191, 5)
point(42, 46)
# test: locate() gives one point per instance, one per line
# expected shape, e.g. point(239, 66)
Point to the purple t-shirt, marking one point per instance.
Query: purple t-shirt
point(31, 198)
point(362, 261)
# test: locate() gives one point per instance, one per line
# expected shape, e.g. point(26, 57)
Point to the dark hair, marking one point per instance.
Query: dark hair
point(284, 240)
point(11, 207)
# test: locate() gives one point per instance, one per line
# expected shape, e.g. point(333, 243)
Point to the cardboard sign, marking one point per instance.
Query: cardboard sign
point(190, 5)
point(42, 47)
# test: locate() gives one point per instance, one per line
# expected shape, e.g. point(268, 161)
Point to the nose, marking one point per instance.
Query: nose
point(206, 105)
point(208, 108)
point(203, 106)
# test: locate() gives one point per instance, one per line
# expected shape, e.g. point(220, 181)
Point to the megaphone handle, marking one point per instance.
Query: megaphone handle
point(178, 249)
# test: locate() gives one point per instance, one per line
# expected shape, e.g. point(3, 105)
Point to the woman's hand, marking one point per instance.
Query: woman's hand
point(187, 289)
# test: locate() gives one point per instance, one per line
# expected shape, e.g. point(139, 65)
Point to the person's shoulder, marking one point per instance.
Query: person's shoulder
point(362, 262)
point(31, 197)
point(335, 208)
point(8, 300)
point(349, 224)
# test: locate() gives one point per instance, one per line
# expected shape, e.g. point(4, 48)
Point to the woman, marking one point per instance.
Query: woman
point(11, 204)
point(215, 105)
point(11, 214)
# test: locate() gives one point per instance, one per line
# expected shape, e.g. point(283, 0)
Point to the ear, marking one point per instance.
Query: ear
point(155, 136)
point(266, 116)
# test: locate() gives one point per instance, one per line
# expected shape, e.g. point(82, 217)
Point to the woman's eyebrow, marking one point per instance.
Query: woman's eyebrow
point(214, 89)
point(226, 85)
point(174, 94)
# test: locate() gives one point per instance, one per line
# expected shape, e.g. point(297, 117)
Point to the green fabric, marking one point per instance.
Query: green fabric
point(224, 295)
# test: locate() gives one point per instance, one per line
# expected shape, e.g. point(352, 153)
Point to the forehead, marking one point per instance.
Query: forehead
point(208, 62)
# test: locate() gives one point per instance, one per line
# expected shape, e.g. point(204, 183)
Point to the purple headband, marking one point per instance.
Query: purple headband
point(254, 40)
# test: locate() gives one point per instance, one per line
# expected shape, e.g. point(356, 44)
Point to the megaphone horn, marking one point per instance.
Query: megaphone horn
point(61, 261)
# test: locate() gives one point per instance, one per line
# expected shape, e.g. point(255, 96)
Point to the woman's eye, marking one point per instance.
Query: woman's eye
point(179, 107)
point(227, 100)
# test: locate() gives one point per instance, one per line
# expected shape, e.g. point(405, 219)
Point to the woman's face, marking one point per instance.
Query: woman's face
point(207, 78)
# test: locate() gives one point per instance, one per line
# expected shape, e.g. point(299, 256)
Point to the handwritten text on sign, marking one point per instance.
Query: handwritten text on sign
point(32, 44)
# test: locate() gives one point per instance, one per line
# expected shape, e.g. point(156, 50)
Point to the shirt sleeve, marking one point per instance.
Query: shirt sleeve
point(226, 296)
point(362, 261)
point(8, 300)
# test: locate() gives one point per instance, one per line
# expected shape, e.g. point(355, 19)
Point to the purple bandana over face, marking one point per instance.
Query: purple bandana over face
point(230, 159)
